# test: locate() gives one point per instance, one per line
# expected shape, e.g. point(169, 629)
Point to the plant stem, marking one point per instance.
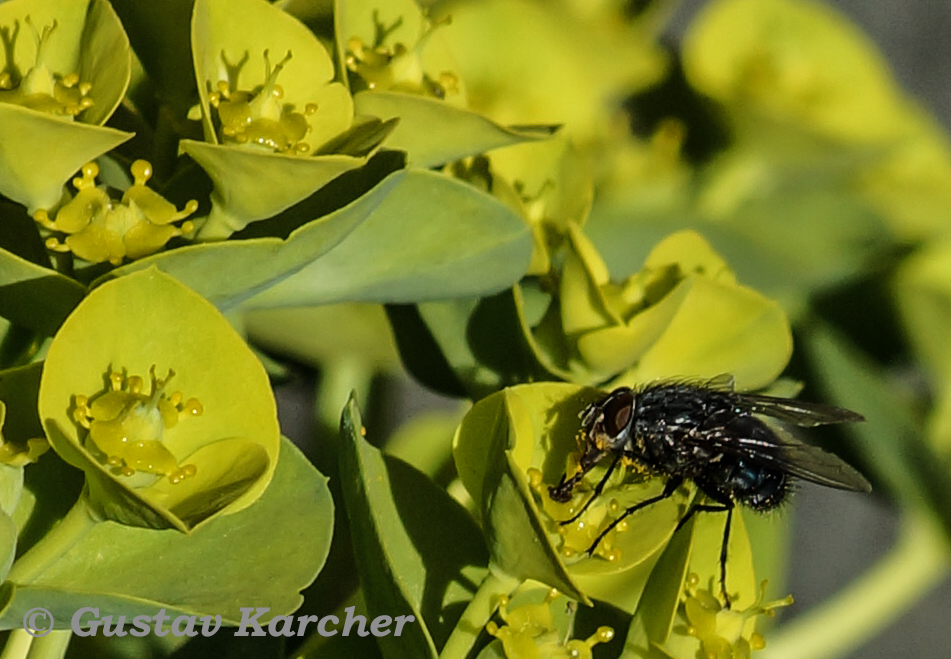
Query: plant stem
point(18, 645)
point(52, 646)
point(477, 613)
point(59, 540)
point(917, 562)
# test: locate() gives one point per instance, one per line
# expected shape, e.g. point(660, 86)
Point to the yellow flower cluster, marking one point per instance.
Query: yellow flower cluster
point(40, 88)
point(529, 633)
point(126, 425)
point(98, 229)
point(259, 117)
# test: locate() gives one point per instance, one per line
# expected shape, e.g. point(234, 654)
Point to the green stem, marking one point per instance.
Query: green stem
point(59, 540)
point(18, 645)
point(477, 614)
point(52, 646)
point(915, 564)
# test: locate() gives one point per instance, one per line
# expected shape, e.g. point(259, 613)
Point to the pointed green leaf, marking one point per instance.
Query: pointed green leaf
point(432, 237)
point(36, 297)
point(31, 174)
point(256, 262)
point(655, 614)
point(408, 564)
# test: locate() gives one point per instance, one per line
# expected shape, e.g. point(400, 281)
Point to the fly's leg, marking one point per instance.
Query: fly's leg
point(672, 484)
point(715, 508)
point(723, 550)
point(597, 490)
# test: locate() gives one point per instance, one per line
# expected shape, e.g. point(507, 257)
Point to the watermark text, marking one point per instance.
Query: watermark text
point(87, 622)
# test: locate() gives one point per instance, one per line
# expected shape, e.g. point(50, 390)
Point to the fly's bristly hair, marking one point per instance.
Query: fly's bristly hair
point(717, 438)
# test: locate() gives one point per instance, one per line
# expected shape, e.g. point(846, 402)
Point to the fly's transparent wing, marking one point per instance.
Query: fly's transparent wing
point(797, 412)
point(752, 439)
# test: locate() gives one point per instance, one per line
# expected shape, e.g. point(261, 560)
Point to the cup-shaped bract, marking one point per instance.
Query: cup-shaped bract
point(201, 439)
point(70, 67)
point(268, 102)
point(683, 315)
point(515, 443)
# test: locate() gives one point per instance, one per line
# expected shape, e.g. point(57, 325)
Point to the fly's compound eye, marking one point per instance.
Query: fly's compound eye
point(617, 411)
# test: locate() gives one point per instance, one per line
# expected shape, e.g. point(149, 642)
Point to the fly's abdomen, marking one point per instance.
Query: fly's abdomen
point(729, 478)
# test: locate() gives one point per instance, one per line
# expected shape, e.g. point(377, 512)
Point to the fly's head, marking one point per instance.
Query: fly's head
point(606, 427)
point(608, 424)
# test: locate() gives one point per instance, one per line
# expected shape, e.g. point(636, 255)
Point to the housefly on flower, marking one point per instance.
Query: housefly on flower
point(711, 435)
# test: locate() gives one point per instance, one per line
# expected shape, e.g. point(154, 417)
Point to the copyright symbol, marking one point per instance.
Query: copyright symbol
point(38, 629)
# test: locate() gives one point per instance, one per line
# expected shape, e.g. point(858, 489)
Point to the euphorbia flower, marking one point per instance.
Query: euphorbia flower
point(99, 229)
point(389, 64)
point(682, 315)
point(198, 441)
point(268, 103)
point(68, 68)
point(39, 88)
point(704, 627)
point(529, 632)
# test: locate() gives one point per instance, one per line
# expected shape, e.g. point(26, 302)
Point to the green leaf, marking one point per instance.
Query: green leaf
point(254, 263)
point(316, 335)
point(8, 529)
point(433, 132)
point(467, 346)
point(463, 242)
point(364, 136)
point(105, 60)
point(34, 296)
point(655, 614)
point(274, 549)
point(408, 564)
point(518, 541)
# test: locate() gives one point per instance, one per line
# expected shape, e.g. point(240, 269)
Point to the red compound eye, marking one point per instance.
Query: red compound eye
point(617, 412)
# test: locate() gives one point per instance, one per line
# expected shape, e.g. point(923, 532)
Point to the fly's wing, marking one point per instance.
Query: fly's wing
point(797, 412)
point(753, 440)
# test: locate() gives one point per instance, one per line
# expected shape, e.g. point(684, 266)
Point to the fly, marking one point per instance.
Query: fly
point(715, 437)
